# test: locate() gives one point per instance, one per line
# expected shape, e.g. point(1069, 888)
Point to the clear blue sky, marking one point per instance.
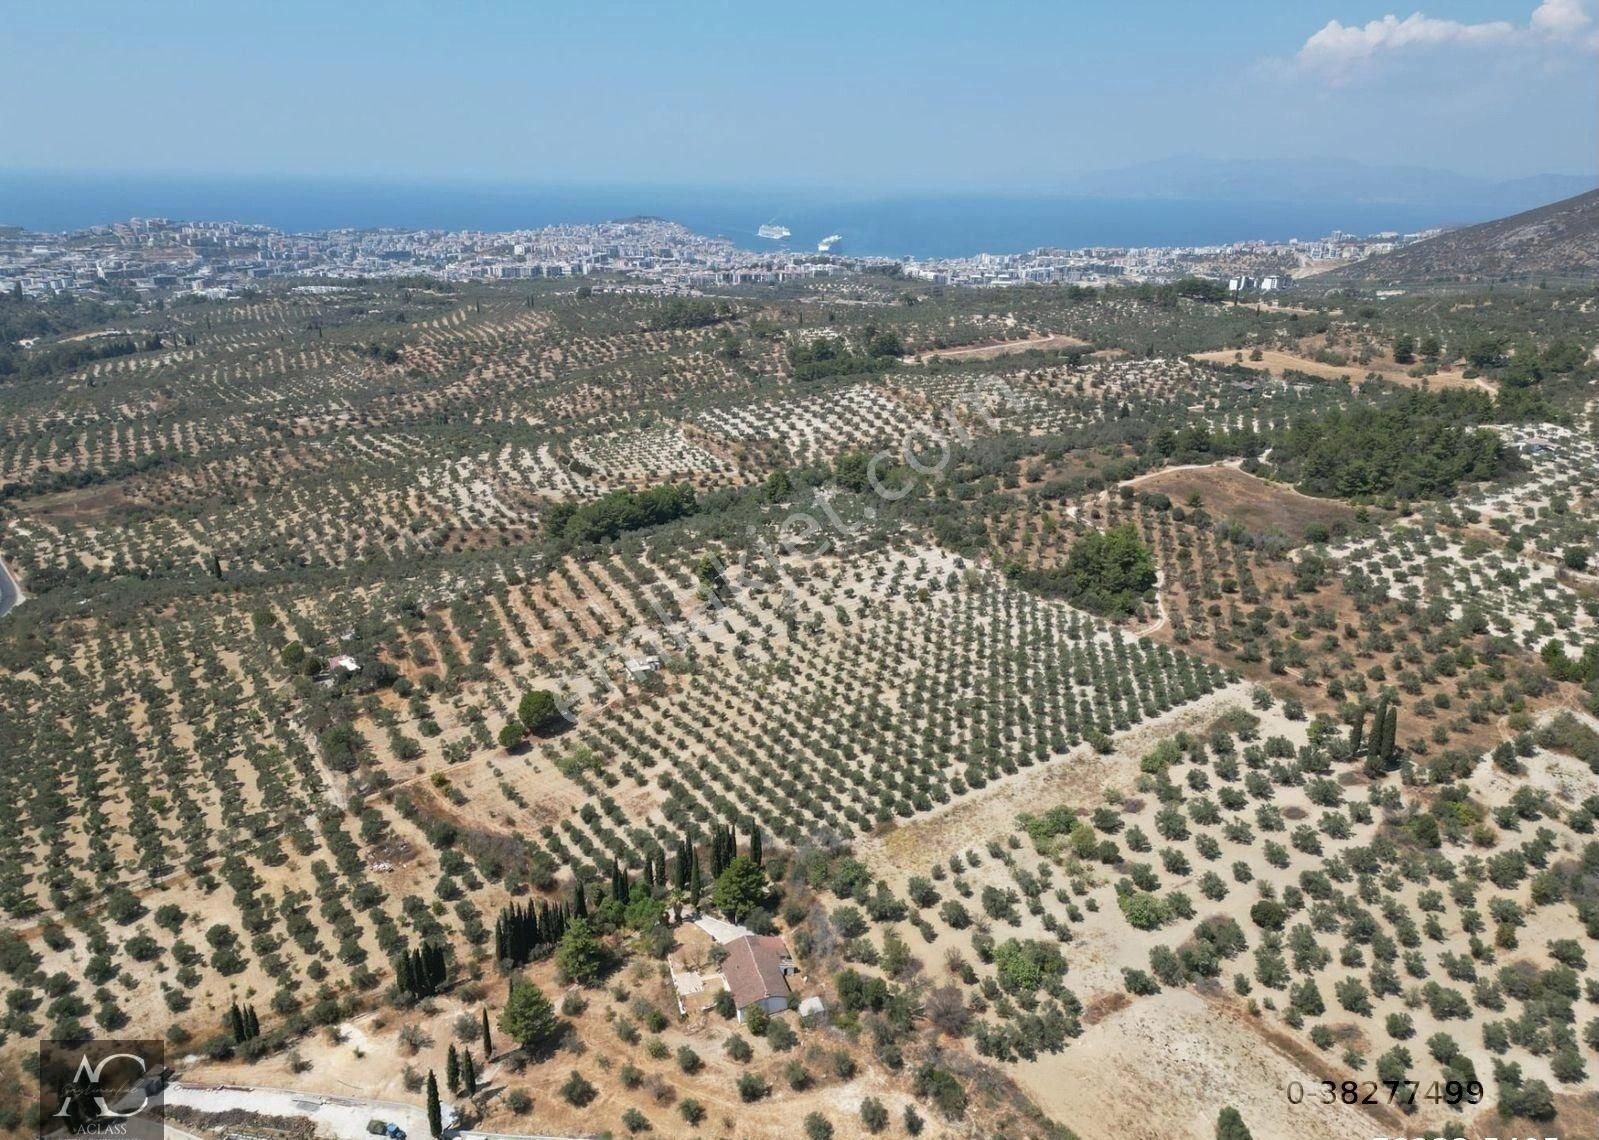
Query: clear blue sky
point(920, 94)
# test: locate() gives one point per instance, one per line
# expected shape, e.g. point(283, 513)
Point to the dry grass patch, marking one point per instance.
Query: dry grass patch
point(1229, 494)
point(1044, 343)
point(1278, 363)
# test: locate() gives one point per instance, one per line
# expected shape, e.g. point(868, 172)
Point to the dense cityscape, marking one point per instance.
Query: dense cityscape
point(219, 259)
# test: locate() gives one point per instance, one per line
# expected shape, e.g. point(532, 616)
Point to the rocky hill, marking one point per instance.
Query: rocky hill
point(1560, 240)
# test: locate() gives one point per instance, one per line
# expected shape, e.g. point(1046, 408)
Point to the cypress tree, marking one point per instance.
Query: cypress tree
point(684, 855)
point(468, 1073)
point(252, 1024)
point(452, 1069)
point(488, 1042)
point(525, 933)
point(435, 1115)
point(236, 1023)
point(755, 846)
point(1356, 732)
point(580, 904)
point(434, 966)
point(1374, 744)
point(1390, 730)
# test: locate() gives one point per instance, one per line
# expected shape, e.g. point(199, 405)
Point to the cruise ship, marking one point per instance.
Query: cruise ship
point(827, 243)
point(773, 230)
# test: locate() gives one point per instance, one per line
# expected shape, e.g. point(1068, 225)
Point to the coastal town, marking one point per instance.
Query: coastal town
point(160, 257)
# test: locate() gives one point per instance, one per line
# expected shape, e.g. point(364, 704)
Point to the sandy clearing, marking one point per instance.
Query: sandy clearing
point(1277, 363)
point(1193, 1057)
point(1230, 494)
point(1003, 348)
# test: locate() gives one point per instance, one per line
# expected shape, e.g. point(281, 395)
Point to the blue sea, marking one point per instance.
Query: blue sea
point(895, 225)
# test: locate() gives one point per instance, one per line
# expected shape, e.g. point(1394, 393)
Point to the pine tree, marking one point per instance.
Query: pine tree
point(435, 1114)
point(1230, 1126)
point(528, 1017)
point(452, 1070)
point(488, 1042)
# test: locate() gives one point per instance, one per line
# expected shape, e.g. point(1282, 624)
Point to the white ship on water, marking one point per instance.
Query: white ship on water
point(827, 243)
point(773, 230)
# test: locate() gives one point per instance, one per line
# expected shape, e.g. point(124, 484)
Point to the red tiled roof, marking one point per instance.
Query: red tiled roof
point(754, 969)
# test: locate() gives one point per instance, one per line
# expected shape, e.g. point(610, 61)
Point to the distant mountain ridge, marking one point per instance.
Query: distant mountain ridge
point(1455, 197)
point(1560, 240)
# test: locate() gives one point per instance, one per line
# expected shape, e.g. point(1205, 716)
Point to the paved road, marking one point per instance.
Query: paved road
point(10, 594)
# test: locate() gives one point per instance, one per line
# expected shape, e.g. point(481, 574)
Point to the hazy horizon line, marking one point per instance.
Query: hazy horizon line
point(1055, 185)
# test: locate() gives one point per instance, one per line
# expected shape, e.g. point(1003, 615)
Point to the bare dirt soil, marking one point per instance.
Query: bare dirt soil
point(1229, 494)
point(1003, 348)
point(1277, 363)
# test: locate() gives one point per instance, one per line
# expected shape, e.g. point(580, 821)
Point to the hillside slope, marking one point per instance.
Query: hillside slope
point(1558, 240)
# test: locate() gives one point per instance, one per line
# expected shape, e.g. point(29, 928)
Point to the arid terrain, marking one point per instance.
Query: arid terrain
point(832, 710)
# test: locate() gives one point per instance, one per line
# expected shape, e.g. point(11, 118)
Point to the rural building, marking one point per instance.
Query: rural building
point(756, 973)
